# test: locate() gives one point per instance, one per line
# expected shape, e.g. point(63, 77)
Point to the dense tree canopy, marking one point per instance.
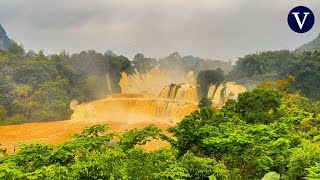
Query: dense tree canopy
point(270, 133)
point(34, 87)
point(272, 65)
point(144, 64)
point(207, 78)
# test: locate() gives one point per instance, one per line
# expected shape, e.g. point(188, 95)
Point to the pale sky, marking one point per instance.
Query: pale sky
point(216, 29)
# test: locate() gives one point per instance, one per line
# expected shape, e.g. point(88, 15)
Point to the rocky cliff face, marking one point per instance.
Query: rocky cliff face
point(189, 93)
point(5, 41)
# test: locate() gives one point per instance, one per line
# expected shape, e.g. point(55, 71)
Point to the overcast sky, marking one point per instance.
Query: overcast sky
point(217, 29)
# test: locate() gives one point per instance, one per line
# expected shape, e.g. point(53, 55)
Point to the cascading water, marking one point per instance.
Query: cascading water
point(133, 108)
point(142, 99)
point(108, 82)
point(189, 93)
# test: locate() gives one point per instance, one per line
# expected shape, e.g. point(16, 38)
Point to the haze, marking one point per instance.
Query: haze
point(216, 29)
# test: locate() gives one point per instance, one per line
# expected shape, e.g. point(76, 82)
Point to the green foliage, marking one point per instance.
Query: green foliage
point(256, 68)
point(314, 45)
point(90, 155)
point(3, 112)
point(313, 172)
point(303, 157)
point(138, 137)
point(54, 102)
point(271, 176)
point(36, 88)
point(203, 167)
point(173, 62)
point(207, 78)
point(173, 172)
point(205, 102)
point(267, 137)
point(197, 64)
point(143, 64)
point(14, 48)
point(259, 105)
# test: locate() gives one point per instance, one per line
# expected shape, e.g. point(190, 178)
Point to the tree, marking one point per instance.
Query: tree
point(172, 63)
point(205, 102)
point(304, 157)
point(3, 112)
point(143, 64)
point(16, 49)
point(54, 102)
point(207, 78)
point(264, 137)
point(254, 69)
point(138, 137)
point(259, 105)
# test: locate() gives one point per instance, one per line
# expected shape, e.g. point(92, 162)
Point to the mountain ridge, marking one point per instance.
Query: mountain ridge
point(5, 41)
point(311, 46)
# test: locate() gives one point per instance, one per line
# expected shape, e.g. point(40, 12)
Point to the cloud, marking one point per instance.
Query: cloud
point(218, 29)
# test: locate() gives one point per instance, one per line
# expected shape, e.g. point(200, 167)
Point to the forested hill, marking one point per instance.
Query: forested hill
point(5, 41)
point(253, 69)
point(34, 87)
point(314, 45)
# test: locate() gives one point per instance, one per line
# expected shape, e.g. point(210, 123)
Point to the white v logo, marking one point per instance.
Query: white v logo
point(296, 15)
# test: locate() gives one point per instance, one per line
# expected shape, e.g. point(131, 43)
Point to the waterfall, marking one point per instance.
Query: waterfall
point(108, 80)
point(132, 108)
point(189, 93)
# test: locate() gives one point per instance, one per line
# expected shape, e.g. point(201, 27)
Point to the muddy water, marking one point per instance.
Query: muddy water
point(60, 131)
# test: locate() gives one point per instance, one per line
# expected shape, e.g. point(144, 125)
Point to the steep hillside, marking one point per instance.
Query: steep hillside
point(5, 41)
point(311, 46)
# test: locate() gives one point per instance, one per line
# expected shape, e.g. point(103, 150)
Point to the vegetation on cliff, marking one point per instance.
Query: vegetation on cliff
point(273, 65)
point(314, 45)
point(5, 41)
point(207, 78)
point(34, 87)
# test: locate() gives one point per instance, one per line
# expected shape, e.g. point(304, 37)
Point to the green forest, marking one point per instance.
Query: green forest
point(268, 133)
point(34, 87)
point(272, 65)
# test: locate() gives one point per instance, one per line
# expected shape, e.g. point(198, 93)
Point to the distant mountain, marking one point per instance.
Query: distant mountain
point(110, 53)
point(5, 41)
point(31, 53)
point(311, 46)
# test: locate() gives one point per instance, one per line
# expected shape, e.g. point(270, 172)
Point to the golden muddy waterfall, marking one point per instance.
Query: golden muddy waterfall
point(139, 101)
point(151, 97)
point(153, 81)
point(133, 108)
point(189, 93)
